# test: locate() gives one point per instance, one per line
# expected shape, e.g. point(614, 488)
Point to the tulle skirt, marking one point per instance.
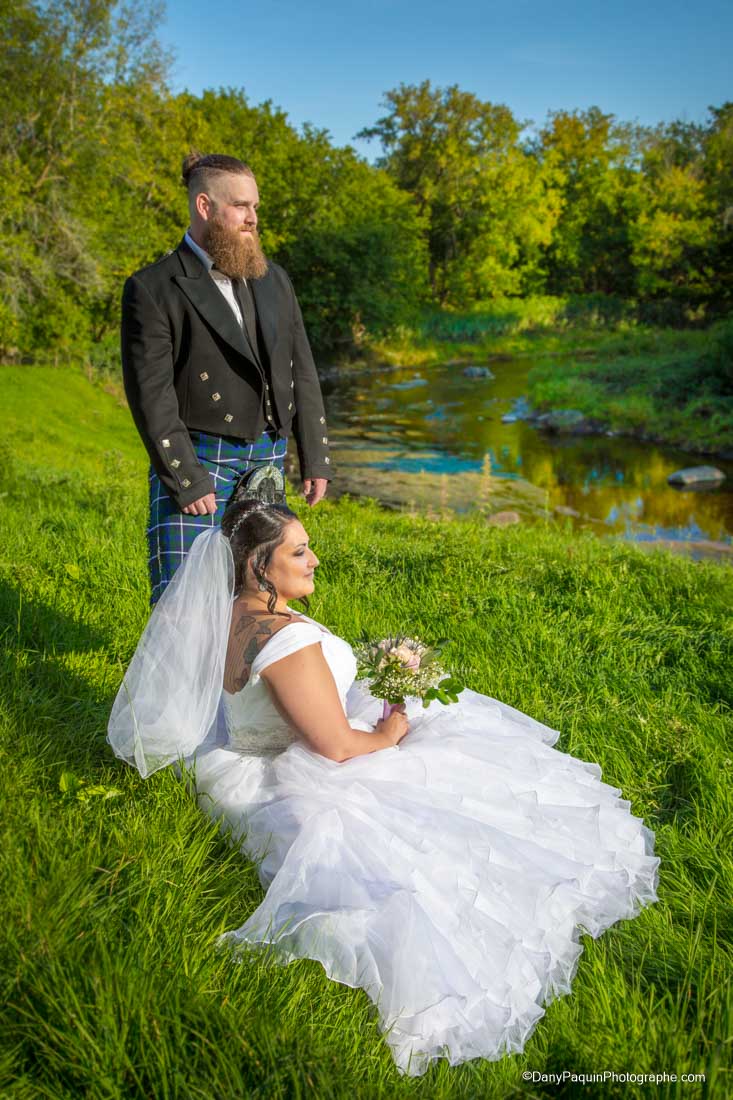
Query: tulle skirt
point(449, 877)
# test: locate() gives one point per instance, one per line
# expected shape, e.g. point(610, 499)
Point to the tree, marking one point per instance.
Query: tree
point(91, 143)
point(683, 231)
point(672, 234)
point(596, 163)
point(361, 263)
point(718, 175)
point(488, 208)
point(55, 71)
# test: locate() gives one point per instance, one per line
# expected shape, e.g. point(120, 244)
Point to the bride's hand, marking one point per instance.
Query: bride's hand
point(395, 727)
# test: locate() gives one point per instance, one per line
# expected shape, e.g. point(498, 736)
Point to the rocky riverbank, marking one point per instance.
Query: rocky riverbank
point(576, 422)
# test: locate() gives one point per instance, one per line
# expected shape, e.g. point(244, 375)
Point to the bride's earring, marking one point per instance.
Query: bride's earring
point(262, 586)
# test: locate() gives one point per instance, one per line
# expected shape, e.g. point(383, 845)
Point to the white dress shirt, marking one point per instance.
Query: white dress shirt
point(222, 281)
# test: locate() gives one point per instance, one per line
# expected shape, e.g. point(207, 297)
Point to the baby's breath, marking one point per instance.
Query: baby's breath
point(387, 665)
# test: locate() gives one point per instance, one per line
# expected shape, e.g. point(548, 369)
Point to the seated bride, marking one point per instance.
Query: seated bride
point(445, 860)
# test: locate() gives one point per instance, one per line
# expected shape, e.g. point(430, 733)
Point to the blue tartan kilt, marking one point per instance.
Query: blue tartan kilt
point(170, 532)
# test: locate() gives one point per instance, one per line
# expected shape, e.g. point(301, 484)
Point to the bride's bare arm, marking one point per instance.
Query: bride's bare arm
point(304, 691)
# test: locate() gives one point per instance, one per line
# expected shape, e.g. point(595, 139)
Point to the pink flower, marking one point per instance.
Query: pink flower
point(406, 656)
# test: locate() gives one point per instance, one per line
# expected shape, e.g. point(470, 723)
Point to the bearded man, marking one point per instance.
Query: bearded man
point(217, 366)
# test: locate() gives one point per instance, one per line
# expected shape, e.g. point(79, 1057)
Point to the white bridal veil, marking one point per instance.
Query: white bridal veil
point(170, 695)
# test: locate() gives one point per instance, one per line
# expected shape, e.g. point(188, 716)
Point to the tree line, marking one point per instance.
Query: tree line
point(466, 202)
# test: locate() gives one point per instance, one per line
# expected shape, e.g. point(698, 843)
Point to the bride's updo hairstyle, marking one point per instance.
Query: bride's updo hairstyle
point(255, 530)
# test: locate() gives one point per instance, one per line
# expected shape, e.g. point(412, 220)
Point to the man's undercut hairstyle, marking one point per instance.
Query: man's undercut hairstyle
point(200, 171)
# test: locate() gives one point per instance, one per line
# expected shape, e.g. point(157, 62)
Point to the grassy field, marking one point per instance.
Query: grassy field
point(674, 385)
point(114, 889)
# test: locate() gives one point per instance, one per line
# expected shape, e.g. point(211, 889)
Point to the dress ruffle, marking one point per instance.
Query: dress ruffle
point(449, 877)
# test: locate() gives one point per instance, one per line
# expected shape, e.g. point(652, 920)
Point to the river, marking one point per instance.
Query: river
point(434, 438)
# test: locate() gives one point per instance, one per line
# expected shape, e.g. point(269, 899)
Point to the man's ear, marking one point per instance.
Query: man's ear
point(204, 206)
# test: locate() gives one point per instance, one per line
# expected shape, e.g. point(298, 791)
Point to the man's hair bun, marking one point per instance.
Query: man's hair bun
point(190, 164)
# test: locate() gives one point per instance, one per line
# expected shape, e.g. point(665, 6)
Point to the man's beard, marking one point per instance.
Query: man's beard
point(234, 252)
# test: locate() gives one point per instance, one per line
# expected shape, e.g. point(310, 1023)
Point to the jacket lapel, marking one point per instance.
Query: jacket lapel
point(210, 303)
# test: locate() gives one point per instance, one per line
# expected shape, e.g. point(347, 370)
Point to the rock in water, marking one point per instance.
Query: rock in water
point(521, 410)
point(697, 475)
point(477, 372)
point(504, 519)
point(561, 420)
point(565, 510)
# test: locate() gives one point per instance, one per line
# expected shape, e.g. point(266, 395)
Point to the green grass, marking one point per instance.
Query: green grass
point(680, 392)
point(669, 384)
point(533, 326)
point(114, 889)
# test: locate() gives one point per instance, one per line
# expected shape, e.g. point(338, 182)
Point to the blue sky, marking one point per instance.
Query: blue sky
point(329, 63)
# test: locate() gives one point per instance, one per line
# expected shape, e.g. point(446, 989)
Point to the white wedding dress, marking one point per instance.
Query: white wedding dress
point(449, 877)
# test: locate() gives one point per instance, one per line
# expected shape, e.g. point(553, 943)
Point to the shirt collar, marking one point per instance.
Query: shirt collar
point(197, 250)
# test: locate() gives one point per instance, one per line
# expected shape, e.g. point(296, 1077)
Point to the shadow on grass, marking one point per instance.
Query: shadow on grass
point(57, 675)
point(680, 794)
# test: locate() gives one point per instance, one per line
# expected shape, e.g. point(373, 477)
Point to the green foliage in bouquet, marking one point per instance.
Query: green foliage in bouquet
point(400, 667)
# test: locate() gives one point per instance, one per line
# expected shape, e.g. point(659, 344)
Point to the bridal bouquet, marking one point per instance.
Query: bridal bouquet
point(400, 667)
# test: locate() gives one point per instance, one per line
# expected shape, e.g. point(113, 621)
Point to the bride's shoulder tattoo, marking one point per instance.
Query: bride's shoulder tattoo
point(249, 634)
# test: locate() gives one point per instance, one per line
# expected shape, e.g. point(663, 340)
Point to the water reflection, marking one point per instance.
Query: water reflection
point(440, 422)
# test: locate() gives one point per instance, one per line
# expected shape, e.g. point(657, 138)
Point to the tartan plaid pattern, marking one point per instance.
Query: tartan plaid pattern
point(170, 532)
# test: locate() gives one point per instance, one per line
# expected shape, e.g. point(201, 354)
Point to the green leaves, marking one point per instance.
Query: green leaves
point(76, 787)
point(589, 205)
point(362, 266)
point(463, 206)
point(388, 665)
point(446, 692)
point(485, 202)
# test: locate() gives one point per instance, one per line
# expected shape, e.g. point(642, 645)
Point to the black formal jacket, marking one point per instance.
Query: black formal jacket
point(187, 364)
